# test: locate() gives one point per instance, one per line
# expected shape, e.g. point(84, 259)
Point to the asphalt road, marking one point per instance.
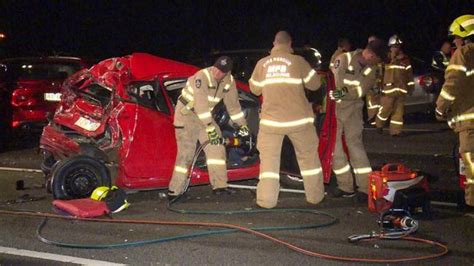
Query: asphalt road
point(427, 147)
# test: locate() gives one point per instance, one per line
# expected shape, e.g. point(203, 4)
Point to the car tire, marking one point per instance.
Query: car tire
point(78, 176)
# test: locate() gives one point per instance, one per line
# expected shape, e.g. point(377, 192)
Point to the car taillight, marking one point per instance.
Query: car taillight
point(23, 97)
point(426, 82)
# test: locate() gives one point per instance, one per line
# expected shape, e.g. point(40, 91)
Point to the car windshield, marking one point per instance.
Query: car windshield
point(43, 70)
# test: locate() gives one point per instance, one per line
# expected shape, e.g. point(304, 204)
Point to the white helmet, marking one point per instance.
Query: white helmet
point(394, 40)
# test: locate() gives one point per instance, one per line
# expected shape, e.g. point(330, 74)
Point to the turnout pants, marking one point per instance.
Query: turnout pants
point(350, 122)
point(392, 107)
point(466, 148)
point(186, 138)
point(305, 141)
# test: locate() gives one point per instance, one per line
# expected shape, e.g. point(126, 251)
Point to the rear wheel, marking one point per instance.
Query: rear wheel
point(78, 176)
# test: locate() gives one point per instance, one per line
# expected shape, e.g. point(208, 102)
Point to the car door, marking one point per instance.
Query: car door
point(150, 158)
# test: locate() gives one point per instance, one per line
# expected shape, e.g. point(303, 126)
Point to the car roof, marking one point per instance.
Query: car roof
point(146, 66)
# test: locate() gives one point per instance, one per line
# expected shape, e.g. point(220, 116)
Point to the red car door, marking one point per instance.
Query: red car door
point(149, 160)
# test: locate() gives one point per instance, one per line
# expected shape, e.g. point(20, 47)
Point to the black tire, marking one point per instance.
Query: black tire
point(78, 176)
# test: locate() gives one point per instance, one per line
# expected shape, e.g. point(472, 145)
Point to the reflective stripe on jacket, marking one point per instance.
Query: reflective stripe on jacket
point(281, 78)
point(457, 95)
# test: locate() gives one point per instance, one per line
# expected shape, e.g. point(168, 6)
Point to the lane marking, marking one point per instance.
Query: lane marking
point(54, 257)
point(20, 169)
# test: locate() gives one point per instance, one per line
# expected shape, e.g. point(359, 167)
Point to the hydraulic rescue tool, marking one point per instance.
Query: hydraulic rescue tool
point(393, 223)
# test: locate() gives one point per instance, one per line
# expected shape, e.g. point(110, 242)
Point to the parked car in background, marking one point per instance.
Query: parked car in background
point(428, 83)
point(29, 89)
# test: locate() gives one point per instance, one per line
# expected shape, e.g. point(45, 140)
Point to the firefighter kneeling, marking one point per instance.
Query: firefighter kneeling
point(193, 122)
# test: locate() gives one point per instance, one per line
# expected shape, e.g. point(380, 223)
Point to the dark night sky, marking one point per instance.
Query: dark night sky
point(178, 29)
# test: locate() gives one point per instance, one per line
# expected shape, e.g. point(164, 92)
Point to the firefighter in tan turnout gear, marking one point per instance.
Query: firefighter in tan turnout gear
point(397, 82)
point(456, 100)
point(354, 75)
point(281, 78)
point(193, 122)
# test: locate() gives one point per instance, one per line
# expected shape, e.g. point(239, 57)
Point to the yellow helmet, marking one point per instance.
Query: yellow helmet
point(101, 192)
point(114, 197)
point(462, 26)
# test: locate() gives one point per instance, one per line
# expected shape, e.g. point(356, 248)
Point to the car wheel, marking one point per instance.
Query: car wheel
point(78, 176)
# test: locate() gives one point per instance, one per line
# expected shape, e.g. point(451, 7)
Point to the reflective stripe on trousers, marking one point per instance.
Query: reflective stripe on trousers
point(186, 139)
point(305, 143)
point(350, 122)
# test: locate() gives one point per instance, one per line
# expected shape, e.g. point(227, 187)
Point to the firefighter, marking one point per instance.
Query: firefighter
point(397, 82)
point(354, 75)
point(193, 122)
point(456, 99)
point(373, 95)
point(441, 58)
point(343, 46)
point(281, 79)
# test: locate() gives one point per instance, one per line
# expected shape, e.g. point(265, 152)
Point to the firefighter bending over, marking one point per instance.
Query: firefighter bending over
point(456, 100)
point(354, 75)
point(281, 78)
point(193, 122)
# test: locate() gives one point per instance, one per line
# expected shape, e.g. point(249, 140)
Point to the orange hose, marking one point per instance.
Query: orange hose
point(250, 231)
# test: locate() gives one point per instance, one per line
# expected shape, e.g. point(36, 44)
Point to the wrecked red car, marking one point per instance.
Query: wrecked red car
point(115, 125)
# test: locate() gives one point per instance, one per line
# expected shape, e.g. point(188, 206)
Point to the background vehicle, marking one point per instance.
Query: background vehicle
point(428, 82)
point(29, 89)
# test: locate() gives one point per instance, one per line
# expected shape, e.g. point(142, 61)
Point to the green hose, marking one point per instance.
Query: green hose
point(332, 220)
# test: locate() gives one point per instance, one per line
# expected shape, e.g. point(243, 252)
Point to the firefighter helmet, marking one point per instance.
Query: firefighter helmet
point(100, 193)
point(394, 40)
point(114, 197)
point(462, 26)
